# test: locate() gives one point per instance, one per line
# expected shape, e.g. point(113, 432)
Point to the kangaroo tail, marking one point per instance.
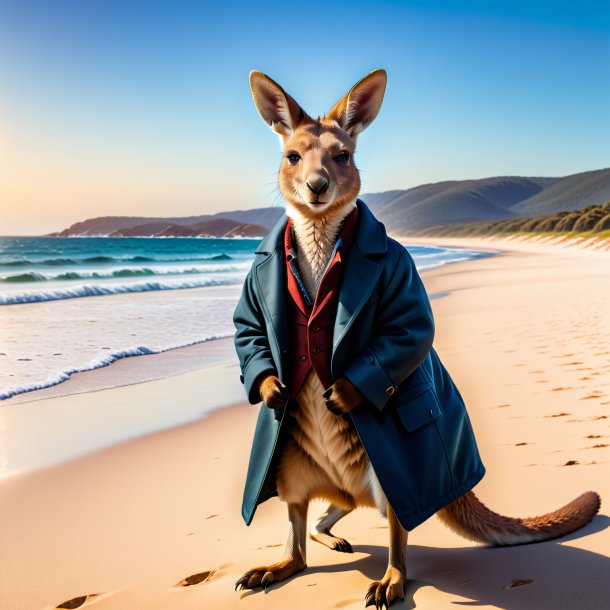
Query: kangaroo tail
point(470, 518)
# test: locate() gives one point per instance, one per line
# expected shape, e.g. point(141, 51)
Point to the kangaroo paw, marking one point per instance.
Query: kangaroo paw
point(332, 542)
point(264, 576)
point(386, 591)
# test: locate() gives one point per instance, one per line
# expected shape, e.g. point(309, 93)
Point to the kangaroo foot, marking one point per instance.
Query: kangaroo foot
point(386, 591)
point(321, 533)
point(332, 542)
point(264, 576)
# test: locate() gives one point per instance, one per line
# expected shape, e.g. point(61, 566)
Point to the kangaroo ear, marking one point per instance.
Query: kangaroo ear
point(356, 110)
point(280, 111)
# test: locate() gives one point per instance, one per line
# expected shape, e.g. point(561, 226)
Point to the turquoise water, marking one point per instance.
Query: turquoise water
point(44, 268)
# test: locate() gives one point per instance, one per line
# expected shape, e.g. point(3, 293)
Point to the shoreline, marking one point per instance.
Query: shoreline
point(134, 369)
point(541, 244)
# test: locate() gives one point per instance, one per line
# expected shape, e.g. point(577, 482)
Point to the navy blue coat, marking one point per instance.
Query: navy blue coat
point(413, 425)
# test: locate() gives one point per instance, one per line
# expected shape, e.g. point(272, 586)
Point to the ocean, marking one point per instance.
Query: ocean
point(79, 303)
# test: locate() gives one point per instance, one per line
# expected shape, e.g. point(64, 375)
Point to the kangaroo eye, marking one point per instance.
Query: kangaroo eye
point(342, 158)
point(293, 158)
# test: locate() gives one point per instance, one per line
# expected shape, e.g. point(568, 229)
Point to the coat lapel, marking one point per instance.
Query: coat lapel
point(270, 275)
point(364, 264)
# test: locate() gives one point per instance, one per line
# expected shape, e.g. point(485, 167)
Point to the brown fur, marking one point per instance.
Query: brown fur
point(470, 518)
point(323, 456)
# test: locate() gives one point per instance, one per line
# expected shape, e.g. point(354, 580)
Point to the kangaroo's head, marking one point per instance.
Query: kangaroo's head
point(318, 175)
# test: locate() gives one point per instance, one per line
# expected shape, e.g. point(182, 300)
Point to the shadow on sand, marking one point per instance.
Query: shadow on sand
point(562, 577)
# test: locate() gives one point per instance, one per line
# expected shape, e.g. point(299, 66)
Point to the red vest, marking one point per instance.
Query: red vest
point(311, 323)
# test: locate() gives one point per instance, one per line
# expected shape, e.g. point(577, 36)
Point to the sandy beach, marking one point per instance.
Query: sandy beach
point(525, 337)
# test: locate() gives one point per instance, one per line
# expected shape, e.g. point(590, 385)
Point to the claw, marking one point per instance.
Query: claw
point(382, 599)
point(369, 600)
point(392, 594)
point(267, 580)
point(345, 547)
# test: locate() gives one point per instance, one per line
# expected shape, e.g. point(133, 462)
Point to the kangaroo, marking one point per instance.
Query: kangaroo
point(322, 455)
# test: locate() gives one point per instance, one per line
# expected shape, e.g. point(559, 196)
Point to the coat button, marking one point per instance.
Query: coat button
point(316, 329)
point(316, 350)
point(431, 413)
point(303, 357)
point(390, 390)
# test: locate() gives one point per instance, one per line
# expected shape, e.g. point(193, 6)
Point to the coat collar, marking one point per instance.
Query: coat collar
point(370, 235)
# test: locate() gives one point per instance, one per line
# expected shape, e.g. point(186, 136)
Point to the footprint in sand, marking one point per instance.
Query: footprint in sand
point(558, 415)
point(196, 579)
point(571, 463)
point(347, 602)
point(518, 582)
point(77, 602)
point(268, 546)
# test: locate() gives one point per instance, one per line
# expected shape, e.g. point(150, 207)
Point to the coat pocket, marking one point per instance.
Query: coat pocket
point(418, 407)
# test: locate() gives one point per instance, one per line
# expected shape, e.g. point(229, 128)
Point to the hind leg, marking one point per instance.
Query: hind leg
point(390, 588)
point(320, 531)
point(292, 561)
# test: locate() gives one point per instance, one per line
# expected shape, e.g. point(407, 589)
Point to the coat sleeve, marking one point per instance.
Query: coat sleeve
point(403, 335)
point(251, 341)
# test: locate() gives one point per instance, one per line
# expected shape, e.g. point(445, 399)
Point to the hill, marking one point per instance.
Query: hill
point(487, 199)
point(125, 226)
point(455, 201)
point(569, 193)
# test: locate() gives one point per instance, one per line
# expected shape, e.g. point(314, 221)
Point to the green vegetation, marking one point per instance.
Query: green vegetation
point(591, 221)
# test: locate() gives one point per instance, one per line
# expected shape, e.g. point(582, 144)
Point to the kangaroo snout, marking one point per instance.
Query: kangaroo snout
point(317, 184)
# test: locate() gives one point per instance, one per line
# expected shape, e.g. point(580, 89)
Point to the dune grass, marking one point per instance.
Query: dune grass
point(592, 221)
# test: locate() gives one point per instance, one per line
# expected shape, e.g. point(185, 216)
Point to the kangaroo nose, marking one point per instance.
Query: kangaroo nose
point(317, 185)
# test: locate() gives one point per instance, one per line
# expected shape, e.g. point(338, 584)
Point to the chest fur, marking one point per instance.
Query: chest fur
point(315, 241)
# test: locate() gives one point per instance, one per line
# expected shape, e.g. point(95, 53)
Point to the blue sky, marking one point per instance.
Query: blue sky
point(144, 107)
